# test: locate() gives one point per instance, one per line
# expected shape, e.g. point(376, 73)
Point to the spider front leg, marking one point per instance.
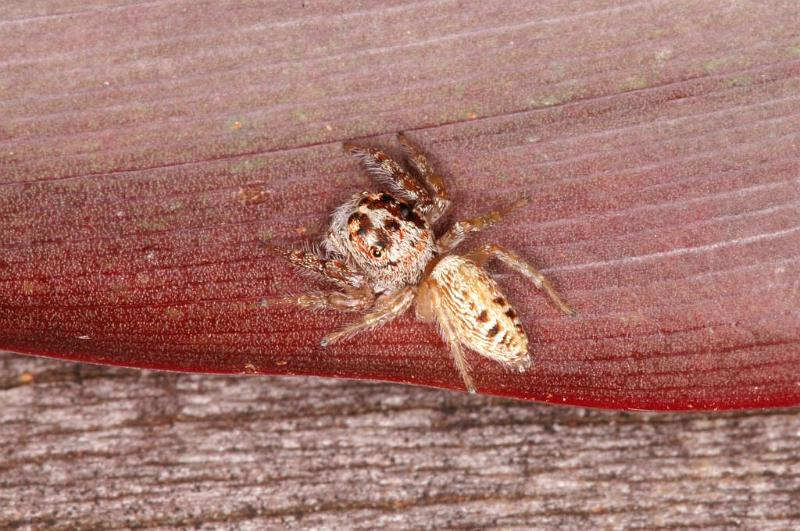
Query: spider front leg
point(459, 231)
point(386, 308)
point(425, 172)
point(388, 173)
point(482, 255)
point(352, 300)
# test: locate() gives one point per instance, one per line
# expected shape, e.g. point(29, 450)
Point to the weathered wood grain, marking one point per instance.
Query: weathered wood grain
point(92, 447)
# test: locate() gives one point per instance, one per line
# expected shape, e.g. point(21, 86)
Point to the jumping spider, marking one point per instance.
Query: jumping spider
point(382, 252)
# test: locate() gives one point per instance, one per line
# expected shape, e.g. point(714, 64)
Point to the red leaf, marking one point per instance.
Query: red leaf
point(146, 151)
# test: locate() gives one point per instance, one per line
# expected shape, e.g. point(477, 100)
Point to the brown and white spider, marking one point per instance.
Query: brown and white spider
point(381, 251)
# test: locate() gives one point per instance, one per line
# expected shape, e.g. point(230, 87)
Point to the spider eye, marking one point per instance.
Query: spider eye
point(376, 252)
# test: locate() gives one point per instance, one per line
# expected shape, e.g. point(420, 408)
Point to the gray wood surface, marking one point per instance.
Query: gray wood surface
point(94, 447)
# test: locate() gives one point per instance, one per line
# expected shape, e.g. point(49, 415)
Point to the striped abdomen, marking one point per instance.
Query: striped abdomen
point(482, 316)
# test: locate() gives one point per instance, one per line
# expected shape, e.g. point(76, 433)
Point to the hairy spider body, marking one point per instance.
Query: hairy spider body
point(386, 238)
point(381, 251)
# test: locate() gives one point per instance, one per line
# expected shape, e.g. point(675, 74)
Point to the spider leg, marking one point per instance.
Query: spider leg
point(388, 173)
point(417, 159)
point(450, 336)
point(332, 269)
point(482, 255)
point(351, 300)
point(459, 231)
point(386, 308)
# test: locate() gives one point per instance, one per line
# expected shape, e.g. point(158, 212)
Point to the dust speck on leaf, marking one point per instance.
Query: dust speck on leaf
point(723, 63)
point(740, 81)
point(663, 55)
point(253, 194)
point(546, 101)
point(633, 83)
point(234, 124)
point(173, 313)
point(153, 225)
point(265, 236)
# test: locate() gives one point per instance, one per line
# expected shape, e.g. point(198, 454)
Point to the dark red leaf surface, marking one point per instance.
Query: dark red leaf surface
point(147, 148)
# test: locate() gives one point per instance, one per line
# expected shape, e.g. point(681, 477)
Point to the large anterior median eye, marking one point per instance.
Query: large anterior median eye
point(375, 252)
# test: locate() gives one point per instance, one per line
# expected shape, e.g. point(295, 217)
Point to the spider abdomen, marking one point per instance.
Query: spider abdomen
point(483, 319)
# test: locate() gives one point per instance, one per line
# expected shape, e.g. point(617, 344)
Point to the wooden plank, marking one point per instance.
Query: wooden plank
point(93, 447)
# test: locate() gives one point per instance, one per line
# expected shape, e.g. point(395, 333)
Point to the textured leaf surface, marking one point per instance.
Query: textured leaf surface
point(147, 148)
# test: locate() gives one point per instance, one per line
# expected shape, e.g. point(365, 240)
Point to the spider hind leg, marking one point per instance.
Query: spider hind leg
point(430, 308)
point(484, 254)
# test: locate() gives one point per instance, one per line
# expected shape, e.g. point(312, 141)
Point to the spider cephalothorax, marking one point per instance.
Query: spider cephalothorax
point(381, 251)
point(386, 238)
